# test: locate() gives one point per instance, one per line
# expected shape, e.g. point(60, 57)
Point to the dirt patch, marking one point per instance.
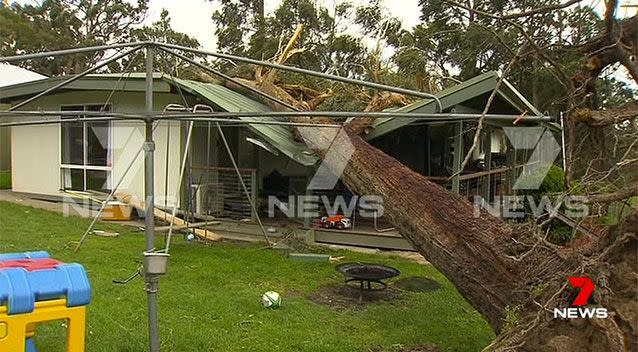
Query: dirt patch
point(415, 348)
point(293, 293)
point(418, 284)
point(340, 296)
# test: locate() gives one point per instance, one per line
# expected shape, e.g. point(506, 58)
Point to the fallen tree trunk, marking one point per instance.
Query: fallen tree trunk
point(511, 275)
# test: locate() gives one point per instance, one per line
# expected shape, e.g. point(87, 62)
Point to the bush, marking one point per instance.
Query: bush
point(5, 180)
point(552, 186)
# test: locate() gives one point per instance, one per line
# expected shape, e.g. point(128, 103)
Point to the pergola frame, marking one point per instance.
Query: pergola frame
point(150, 116)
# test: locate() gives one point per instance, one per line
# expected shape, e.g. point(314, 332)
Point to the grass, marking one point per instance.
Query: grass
point(5, 179)
point(210, 299)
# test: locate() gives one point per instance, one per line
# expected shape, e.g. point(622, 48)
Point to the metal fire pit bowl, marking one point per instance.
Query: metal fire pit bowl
point(369, 276)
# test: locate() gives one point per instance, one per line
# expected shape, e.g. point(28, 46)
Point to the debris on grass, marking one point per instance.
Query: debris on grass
point(340, 296)
point(314, 257)
point(400, 348)
point(105, 233)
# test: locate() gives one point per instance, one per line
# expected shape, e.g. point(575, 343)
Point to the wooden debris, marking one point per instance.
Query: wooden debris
point(314, 257)
point(105, 233)
point(160, 214)
point(190, 225)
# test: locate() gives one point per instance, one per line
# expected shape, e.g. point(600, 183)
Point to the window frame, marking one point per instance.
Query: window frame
point(85, 166)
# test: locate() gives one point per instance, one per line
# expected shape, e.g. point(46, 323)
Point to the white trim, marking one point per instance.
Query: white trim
point(108, 168)
point(86, 167)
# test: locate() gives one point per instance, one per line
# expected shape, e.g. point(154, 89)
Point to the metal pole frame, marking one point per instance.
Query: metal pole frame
point(70, 51)
point(152, 280)
point(228, 118)
point(224, 116)
point(74, 78)
point(230, 79)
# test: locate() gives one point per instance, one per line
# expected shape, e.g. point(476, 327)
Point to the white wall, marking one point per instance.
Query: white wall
point(36, 153)
point(35, 159)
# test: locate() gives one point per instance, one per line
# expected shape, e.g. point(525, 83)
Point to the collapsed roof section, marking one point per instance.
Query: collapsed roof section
point(213, 94)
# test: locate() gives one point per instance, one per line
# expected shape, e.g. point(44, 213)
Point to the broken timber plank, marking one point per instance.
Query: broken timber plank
point(187, 226)
point(160, 214)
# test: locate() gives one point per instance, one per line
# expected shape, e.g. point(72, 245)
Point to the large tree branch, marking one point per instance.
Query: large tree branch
point(619, 44)
point(599, 118)
point(540, 10)
point(379, 102)
point(624, 193)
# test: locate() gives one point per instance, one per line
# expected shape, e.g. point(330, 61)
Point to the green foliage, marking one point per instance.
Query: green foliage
point(474, 43)
point(210, 298)
point(559, 233)
point(554, 181)
point(619, 210)
point(551, 188)
point(5, 179)
point(161, 31)
point(538, 290)
point(511, 318)
point(243, 29)
point(63, 24)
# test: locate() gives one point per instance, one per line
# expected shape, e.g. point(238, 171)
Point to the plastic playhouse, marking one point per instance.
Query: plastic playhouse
point(35, 288)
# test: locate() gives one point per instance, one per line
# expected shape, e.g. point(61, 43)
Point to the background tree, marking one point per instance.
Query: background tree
point(62, 24)
point(160, 31)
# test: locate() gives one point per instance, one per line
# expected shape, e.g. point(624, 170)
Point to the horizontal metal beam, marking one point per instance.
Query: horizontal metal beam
point(74, 78)
point(230, 79)
point(70, 51)
point(168, 115)
point(52, 122)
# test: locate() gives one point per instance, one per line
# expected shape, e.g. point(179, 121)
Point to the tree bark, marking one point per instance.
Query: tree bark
point(439, 224)
point(623, 193)
point(379, 102)
point(599, 118)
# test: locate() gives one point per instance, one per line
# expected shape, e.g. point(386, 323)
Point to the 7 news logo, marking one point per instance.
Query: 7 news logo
point(578, 309)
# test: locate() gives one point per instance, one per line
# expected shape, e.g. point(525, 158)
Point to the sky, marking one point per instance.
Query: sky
point(193, 17)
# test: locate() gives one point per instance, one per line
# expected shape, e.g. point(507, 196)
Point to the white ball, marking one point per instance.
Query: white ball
point(190, 237)
point(271, 299)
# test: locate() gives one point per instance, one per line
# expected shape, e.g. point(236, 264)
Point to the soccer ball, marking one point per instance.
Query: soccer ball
point(271, 299)
point(190, 237)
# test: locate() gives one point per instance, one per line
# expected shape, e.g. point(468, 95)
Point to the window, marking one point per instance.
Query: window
point(86, 151)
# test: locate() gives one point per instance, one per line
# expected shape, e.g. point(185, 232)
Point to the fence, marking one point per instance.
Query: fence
point(217, 191)
point(476, 184)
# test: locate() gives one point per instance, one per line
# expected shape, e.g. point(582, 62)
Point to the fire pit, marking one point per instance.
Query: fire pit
point(368, 276)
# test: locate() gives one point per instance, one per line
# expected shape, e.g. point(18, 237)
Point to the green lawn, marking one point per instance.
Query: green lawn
point(5, 179)
point(210, 300)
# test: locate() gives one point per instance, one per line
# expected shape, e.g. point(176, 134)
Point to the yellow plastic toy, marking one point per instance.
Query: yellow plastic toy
point(35, 289)
point(17, 331)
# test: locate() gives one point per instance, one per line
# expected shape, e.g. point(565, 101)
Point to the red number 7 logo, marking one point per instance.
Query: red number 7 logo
point(586, 289)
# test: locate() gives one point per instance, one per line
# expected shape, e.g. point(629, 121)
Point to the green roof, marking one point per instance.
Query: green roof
point(228, 100)
point(457, 95)
point(277, 135)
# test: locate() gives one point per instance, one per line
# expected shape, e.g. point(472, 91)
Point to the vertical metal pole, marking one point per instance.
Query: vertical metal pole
point(487, 186)
point(510, 161)
point(458, 156)
point(152, 281)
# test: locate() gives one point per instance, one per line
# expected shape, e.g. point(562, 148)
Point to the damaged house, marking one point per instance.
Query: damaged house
point(93, 156)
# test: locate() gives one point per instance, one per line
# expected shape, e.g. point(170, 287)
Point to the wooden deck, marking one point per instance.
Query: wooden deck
point(250, 231)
